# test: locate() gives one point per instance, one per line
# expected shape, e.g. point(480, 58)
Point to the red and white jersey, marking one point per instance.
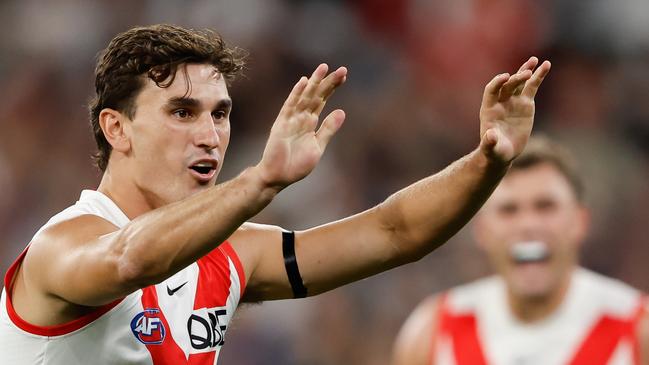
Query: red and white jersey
point(595, 325)
point(181, 320)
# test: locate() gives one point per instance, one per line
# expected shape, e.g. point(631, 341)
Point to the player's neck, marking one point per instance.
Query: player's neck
point(535, 309)
point(124, 194)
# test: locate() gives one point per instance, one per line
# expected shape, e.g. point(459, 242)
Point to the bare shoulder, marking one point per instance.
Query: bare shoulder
point(253, 231)
point(423, 318)
point(52, 255)
point(60, 239)
point(251, 238)
point(415, 339)
point(259, 247)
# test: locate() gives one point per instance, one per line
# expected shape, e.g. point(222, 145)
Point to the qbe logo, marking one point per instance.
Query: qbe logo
point(207, 328)
point(148, 327)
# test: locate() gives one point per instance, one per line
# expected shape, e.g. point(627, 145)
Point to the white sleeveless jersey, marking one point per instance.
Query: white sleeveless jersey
point(181, 320)
point(595, 325)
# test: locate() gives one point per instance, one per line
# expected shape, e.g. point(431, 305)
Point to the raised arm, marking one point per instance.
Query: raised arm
point(88, 261)
point(412, 222)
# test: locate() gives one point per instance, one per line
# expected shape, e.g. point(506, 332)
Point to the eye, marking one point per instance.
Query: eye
point(546, 205)
point(219, 114)
point(507, 210)
point(182, 113)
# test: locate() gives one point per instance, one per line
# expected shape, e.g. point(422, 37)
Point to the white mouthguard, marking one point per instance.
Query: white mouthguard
point(529, 251)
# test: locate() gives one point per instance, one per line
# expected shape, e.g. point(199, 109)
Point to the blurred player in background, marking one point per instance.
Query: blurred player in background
point(541, 308)
point(150, 267)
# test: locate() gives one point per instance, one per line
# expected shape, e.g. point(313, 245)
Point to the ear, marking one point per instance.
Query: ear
point(116, 130)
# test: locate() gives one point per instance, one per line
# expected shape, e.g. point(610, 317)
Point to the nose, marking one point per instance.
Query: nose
point(207, 135)
point(529, 223)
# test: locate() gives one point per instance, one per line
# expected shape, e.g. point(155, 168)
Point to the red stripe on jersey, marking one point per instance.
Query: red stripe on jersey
point(205, 358)
point(213, 287)
point(637, 319)
point(229, 251)
point(605, 336)
point(601, 342)
point(56, 330)
point(212, 290)
point(168, 352)
point(463, 331)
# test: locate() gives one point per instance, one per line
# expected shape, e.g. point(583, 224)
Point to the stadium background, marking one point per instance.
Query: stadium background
point(416, 73)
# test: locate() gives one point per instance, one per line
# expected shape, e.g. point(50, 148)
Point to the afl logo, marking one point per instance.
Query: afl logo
point(148, 327)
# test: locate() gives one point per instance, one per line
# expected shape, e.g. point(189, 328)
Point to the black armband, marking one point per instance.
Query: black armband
point(290, 262)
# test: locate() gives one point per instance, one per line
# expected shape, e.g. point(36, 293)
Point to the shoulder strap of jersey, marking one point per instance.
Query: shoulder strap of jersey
point(462, 330)
point(605, 336)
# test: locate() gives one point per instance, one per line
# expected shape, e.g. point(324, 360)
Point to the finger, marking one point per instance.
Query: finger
point(330, 125)
point(327, 88)
point(532, 86)
point(507, 90)
point(492, 90)
point(496, 146)
point(312, 86)
point(530, 64)
point(294, 95)
point(331, 82)
point(489, 141)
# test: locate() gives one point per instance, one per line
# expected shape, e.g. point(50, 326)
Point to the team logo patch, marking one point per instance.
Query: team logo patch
point(148, 327)
point(206, 327)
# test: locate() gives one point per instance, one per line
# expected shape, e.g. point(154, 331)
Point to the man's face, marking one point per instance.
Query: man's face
point(531, 229)
point(179, 134)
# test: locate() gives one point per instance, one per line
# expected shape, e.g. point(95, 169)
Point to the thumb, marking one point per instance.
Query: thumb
point(497, 146)
point(329, 127)
point(489, 142)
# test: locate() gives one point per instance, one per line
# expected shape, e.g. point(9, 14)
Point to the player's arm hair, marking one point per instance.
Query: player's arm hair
point(407, 226)
point(88, 261)
point(414, 344)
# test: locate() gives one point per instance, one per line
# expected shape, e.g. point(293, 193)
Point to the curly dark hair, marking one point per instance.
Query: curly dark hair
point(155, 52)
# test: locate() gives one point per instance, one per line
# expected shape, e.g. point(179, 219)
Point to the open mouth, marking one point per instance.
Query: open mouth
point(204, 170)
point(529, 252)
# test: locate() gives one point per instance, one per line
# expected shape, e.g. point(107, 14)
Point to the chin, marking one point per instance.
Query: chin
point(200, 187)
point(535, 294)
point(532, 289)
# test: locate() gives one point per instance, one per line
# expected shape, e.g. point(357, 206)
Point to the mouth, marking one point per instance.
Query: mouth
point(203, 170)
point(528, 252)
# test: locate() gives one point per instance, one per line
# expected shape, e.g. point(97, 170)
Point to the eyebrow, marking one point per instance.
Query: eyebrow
point(187, 102)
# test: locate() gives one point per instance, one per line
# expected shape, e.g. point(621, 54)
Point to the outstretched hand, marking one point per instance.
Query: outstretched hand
point(295, 146)
point(507, 111)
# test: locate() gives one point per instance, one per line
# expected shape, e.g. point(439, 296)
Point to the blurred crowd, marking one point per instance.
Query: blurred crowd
point(416, 73)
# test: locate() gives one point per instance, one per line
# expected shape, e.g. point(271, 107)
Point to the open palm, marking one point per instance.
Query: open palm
point(507, 111)
point(295, 144)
